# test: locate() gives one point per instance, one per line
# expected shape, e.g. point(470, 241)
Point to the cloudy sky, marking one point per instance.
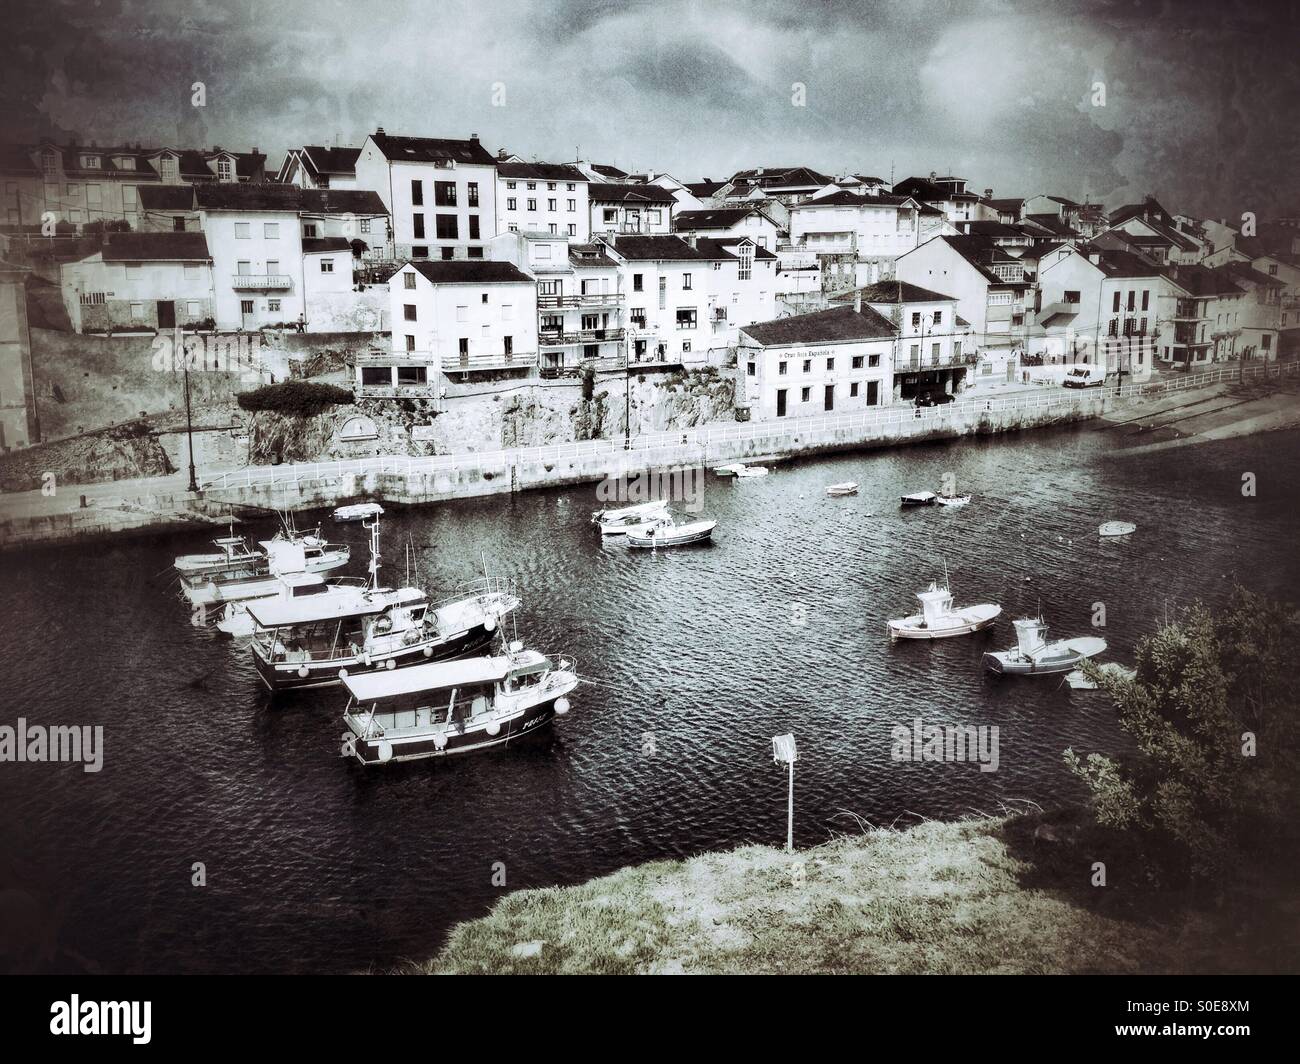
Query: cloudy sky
point(1201, 100)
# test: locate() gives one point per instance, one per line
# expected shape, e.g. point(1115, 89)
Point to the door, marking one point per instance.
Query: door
point(166, 314)
point(830, 397)
point(873, 393)
point(780, 402)
point(246, 314)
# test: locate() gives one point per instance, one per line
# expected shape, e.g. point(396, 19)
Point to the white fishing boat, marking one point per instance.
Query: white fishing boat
point(727, 470)
point(358, 511)
point(259, 577)
point(236, 621)
point(919, 498)
point(232, 552)
point(1116, 528)
point(668, 532)
point(314, 638)
point(848, 487)
point(1077, 680)
point(939, 620)
point(454, 707)
point(743, 471)
point(1034, 656)
point(617, 522)
point(952, 500)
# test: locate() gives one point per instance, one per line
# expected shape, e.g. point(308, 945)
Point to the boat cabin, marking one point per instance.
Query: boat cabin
point(319, 623)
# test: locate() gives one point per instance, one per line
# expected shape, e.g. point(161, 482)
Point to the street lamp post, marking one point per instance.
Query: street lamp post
point(179, 347)
point(784, 752)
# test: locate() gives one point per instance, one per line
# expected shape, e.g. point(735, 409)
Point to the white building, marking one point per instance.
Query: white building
point(742, 288)
point(580, 300)
point(440, 194)
point(630, 209)
point(722, 222)
point(314, 166)
point(668, 285)
point(542, 198)
point(141, 281)
point(454, 319)
point(827, 361)
point(871, 229)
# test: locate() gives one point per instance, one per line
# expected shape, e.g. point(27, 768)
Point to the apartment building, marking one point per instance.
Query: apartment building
point(722, 222)
point(742, 289)
point(990, 284)
point(645, 210)
point(542, 198)
point(440, 194)
point(668, 287)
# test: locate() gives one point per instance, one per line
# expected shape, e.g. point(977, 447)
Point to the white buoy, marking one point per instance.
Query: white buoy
point(303, 671)
point(561, 706)
point(343, 674)
point(391, 663)
point(440, 741)
point(385, 751)
point(490, 624)
point(493, 728)
point(428, 652)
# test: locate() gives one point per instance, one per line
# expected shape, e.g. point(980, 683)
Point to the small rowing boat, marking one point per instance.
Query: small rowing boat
point(849, 487)
point(919, 498)
point(1117, 528)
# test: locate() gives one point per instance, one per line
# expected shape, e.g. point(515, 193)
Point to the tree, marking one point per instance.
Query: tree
point(1214, 710)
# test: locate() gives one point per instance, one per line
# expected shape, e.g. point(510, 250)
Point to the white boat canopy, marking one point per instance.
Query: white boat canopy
point(435, 676)
point(632, 511)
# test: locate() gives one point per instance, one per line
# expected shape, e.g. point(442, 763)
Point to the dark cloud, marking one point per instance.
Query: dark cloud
point(1201, 98)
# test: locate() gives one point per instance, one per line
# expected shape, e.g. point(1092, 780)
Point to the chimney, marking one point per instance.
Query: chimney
point(379, 131)
point(857, 300)
point(255, 151)
point(933, 175)
point(501, 155)
point(988, 193)
point(473, 138)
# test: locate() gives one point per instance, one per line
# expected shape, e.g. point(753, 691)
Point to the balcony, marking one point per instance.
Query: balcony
point(262, 282)
point(592, 299)
point(552, 338)
point(556, 370)
point(906, 364)
point(401, 391)
point(496, 360)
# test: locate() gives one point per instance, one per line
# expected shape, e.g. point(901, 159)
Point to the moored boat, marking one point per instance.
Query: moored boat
point(232, 552)
point(919, 498)
point(952, 500)
point(358, 511)
point(1116, 528)
point(848, 487)
point(453, 707)
point(617, 522)
point(743, 471)
point(938, 619)
point(1034, 656)
point(669, 532)
point(259, 576)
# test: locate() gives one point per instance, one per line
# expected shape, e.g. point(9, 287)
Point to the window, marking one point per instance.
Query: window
point(637, 317)
point(326, 265)
point(636, 282)
point(472, 197)
point(553, 229)
point(473, 226)
point(444, 193)
point(420, 251)
point(90, 162)
point(448, 253)
point(686, 317)
point(781, 368)
point(916, 320)
point(1071, 296)
point(550, 186)
point(550, 204)
point(830, 365)
point(853, 389)
point(49, 163)
point(749, 369)
point(417, 226)
point(686, 282)
point(242, 231)
point(408, 281)
point(805, 394)
point(531, 185)
point(192, 308)
point(246, 306)
point(1114, 309)
point(309, 230)
point(573, 229)
point(509, 343)
point(652, 217)
point(273, 266)
point(464, 345)
point(1146, 295)
point(169, 168)
point(484, 298)
point(365, 225)
point(510, 184)
point(573, 205)
point(417, 193)
point(225, 170)
point(532, 205)
point(857, 362)
point(473, 253)
point(271, 230)
point(243, 267)
point(873, 361)
point(448, 229)
point(746, 268)
point(178, 225)
point(462, 313)
point(807, 365)
point(663, 292)
point(512, 204)
point(137, 312)
point(273, 304)
point(1132, 300)
point(408, 312)
point(937, 319)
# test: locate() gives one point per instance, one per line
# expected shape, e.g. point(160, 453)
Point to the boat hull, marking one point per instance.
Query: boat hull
point(1053, 660)
point(660, 540)
point(966, 622)
point(413, 748)
point(281, 676)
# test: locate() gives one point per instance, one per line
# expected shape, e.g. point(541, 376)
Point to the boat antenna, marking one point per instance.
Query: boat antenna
point(373, 525)
point(946, 585)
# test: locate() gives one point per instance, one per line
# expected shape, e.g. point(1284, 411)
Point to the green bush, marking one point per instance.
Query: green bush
point(1213, 711)
point(295, 398)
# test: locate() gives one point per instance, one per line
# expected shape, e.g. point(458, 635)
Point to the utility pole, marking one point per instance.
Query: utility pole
point(178, 346)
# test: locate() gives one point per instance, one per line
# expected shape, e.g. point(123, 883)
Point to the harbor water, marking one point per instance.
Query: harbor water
point(224, 832)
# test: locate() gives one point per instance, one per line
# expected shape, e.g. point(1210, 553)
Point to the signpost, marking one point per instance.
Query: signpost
point(784, 752)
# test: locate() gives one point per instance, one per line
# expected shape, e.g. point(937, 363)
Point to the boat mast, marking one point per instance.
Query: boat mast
point(373, 526)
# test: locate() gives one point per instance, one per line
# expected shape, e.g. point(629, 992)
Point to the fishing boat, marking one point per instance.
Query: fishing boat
point(617, 522)
point(453, 707)
point(315, 639)
point(668, 532)
point(1116, 528)
point(952, 500)
point(727, 470)
point(743, 471)
point(848, 487)
point(235, 620)
point(232, 552)
point(358, 511)
point(1034, 656)
point(938, 619)
point(919, 498)
point(259, 576)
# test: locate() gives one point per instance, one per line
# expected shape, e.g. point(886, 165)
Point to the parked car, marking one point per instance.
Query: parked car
point(935, 398)
point(1085, 377)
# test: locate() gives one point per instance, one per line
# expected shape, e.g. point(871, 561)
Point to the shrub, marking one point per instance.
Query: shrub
point(588, 380)
point(295, 398)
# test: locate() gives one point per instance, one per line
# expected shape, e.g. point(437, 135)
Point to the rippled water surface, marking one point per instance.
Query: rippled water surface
point(314, 863)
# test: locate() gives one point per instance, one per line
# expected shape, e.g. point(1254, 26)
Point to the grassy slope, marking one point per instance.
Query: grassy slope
point(967, 897)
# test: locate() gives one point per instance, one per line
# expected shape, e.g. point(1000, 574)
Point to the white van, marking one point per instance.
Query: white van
point(1084, 376)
